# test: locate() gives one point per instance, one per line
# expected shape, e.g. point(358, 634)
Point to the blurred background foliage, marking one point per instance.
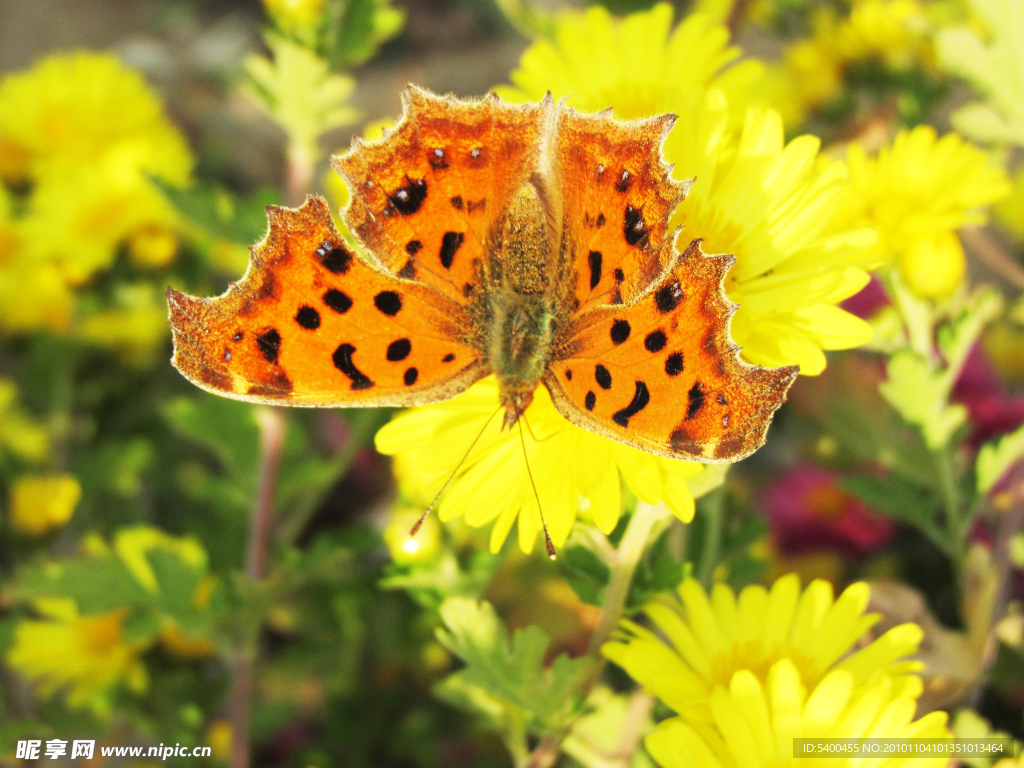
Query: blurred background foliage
point(142, 602)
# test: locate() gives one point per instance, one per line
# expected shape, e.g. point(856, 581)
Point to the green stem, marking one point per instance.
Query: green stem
point(626, 558)
point(951, 505)
point(713, 508)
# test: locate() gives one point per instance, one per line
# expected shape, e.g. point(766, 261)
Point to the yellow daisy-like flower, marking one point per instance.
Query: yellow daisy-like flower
point(755, 197)
point(71, 108)
point(915, 194)
point(40, 503)
point(710, 640)
point(574, 470)
point(639, 66)
point(85, 655)
point(133, 544)
point(754, 723)
point(19, 432)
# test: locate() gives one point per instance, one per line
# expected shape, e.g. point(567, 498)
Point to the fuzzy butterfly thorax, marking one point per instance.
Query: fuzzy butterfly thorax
point(529, 241)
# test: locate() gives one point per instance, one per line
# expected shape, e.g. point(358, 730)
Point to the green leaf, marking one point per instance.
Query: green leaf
point(899, 499)
point(995, 67)
point(659, 571)
point(297, 90)
point(357, 28)
point(920, 395)
point(226, 427)
point(96, 584)
point(221, 215)
point(514, 673)
point(586, 573)
point(996, 458)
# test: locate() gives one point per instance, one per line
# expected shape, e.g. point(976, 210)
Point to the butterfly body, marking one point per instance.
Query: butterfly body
point(528, 241)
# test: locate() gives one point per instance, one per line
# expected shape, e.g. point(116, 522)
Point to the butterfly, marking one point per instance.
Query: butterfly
point(530, 241)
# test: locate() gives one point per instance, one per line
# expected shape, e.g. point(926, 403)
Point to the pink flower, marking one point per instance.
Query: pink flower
point(807, 510)
point(993, 410)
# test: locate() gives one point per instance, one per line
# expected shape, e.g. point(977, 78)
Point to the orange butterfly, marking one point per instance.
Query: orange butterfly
point(529, 241)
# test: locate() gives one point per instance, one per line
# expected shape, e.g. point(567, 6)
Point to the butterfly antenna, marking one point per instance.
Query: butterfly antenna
point(547, 536)
point(419, 523)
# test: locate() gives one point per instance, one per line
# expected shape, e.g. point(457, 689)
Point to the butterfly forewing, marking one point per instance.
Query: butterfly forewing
point(311, 324)
point(617, 195)
point(426, 198)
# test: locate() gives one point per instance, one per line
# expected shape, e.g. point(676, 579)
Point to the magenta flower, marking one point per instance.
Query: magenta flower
point(807, 509)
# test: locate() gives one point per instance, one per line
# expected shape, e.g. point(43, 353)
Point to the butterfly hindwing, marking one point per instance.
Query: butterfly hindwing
point(662, 374)
point(311, 324)
point(426, 197)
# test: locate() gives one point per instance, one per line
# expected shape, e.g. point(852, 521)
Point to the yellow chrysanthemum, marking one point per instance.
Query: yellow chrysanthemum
point(573, 469)
point(709, 641)
point(754, 196)
point(1009, 212)
point(754, 723)
point(78, 218)
point(40, 503)
point(639, 66)
point(84, 655)
point(915, 194)
point(71, 108)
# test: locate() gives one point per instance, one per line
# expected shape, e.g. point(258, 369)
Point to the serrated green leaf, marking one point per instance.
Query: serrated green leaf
point(995, 458)
point(586, 573)
point(995, 67)
point(514, 672)
point(919, 395)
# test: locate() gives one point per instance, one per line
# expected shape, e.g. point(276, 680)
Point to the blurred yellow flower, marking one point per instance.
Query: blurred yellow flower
point(754, 722)
point(70, 109)
point(710, 640)
point(812, 71)
point(86, 656)
point(639, 65)
point(915, 194)
point(40, 503)
point(405, 550)
point(135, 329)
point(574, 470)
point(1009, 212)
point(754, 196)
point(218, 736)
point(20, 433)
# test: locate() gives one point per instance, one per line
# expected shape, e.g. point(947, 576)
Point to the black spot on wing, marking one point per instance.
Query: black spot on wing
point(450, 244)
point(342, 358)
point(399, 350)
point(674, 364)
point(337, 301)
point(410, 376)
point(408, 272)
point(413, 247)
point(308, 318)
point(590, 401)
point(620, 331)
point(602, 377)
point(694, 400)
point(336, 259)
point(655, 341)
point(408, 198)
point(624, 182)
point(269, 343)
point(641, 397)
point(594, 261)
point(448, 358)
point(388, 302)
point(238, 336)
point(635, 228)
point(568, 374)
point(456, 202)
point(667, 297)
